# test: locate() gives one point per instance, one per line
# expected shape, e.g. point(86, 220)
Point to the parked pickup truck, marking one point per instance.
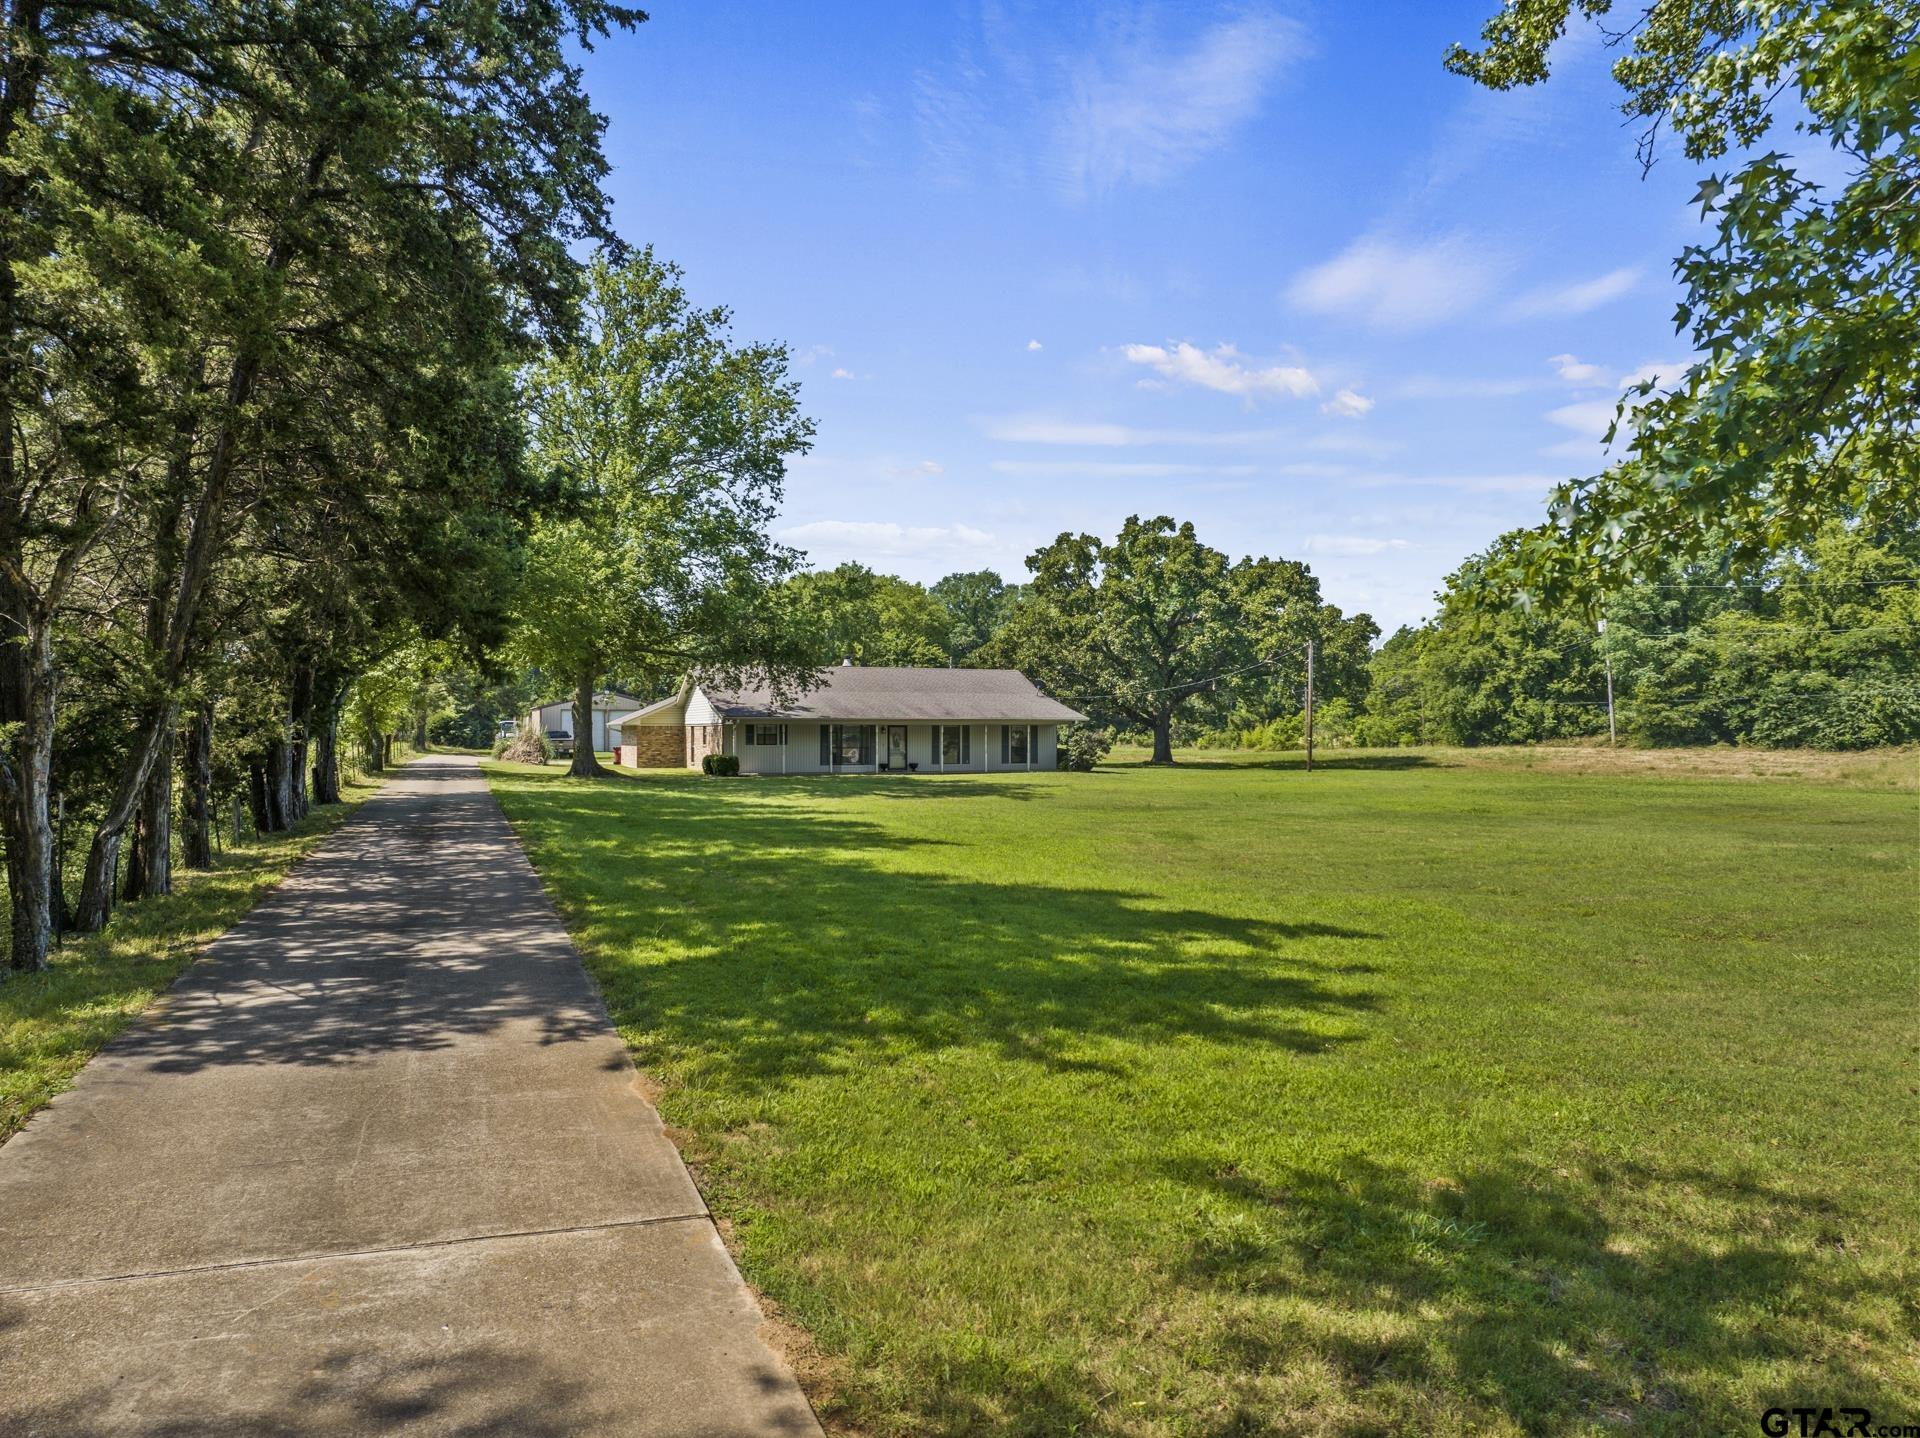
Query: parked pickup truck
point(562, 743)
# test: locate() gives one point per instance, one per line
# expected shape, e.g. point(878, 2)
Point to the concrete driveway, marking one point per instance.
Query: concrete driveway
point(378, 1165)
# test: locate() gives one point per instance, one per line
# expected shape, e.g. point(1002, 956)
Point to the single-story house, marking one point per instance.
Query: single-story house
point(855, 719)
point(607, 707)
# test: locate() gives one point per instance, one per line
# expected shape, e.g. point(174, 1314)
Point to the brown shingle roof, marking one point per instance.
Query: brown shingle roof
point(861, 692)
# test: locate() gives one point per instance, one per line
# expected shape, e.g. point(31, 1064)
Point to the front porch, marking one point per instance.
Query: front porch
point(880, 747)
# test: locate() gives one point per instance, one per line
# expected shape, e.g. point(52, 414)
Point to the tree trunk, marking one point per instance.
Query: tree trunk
point(302, 716)
point(278, 785)
point(326, 755)
point(1163, 737)
point(28, 685)
point(257, 798)
point(386, 750)
point(196, 842)
point(103, 855)
point(27, 675)
point(586, 764)
point(420, 732)
point(150, 856)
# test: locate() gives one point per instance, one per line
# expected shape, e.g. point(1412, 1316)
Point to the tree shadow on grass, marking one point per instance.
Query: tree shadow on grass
point(795, 938)
point(1558, 1300)
point(790, 938)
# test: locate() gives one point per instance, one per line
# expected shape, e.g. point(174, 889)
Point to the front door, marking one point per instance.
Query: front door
point(897, 747)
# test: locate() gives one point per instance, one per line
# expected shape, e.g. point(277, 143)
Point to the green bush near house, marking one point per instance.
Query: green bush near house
point(720, 765)
point(1082, 746)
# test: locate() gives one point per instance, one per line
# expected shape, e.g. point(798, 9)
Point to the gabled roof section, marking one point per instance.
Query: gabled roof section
point(861, 692)
point(685, 692)
point(606, 697)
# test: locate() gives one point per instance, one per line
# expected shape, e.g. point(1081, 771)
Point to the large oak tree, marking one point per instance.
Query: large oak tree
point(666, 444)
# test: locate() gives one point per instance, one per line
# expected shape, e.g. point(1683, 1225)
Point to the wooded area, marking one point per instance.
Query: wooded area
point(266, 273)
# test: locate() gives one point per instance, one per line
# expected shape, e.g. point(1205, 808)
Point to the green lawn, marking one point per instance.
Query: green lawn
point(51, 1023)
point(1421, 1095)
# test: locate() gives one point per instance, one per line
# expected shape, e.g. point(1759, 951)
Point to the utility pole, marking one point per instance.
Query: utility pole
point(1606, 655)
point(1309, 706)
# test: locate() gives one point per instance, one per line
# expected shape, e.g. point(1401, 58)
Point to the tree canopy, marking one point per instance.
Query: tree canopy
point(1817, 648)
point(1803, 309)
point(264, 272)
point(665, 444)
point(1158, 625)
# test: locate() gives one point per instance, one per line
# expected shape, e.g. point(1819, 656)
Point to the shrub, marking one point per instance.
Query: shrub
point(1085, 746)
point(529, 746)
point(720, 764)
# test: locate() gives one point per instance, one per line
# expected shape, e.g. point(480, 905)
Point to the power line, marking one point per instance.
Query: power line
point(1734, 586)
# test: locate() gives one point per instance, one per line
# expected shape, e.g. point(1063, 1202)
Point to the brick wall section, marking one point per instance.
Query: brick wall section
point(654, 746)
point(702, 740)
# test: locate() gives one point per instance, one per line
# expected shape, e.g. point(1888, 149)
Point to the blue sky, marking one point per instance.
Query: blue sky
point(1265, 267)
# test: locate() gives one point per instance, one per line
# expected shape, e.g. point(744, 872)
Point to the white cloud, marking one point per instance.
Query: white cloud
point(1131, 105)
point(1348, 442)
point(1589, 417)
point(838, 539)
point(1034, 345)
point(1351, 544)
point(1060, 431)
point(1576, 371)
point(1043, 429)
point(1426, 386)
point(1397, 285)
point(1467, 483)
point(1576, 298)
point(1347, 405)
point(1115, 469)
point(1222, 369)
point(812, 354)
point(843, 374)
point(925, 469)
point(1662, 373)
point(1139, 112)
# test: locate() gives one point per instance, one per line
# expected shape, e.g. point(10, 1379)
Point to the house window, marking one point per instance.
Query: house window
point(774, 734)
point(1013, 743)
point(955, 744)
point(853, 743)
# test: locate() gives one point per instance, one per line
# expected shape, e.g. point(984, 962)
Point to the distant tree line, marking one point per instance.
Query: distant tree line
point(1818, 648)
point(1164, 640)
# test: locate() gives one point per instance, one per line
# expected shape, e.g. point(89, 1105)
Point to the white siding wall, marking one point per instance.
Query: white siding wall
point(700, 709)
point(559, 715)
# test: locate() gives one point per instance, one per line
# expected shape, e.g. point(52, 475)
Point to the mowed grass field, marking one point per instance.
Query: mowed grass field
point(1423, 1094)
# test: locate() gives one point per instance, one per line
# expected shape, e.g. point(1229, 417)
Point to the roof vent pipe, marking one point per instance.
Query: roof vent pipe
point(846, 664)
